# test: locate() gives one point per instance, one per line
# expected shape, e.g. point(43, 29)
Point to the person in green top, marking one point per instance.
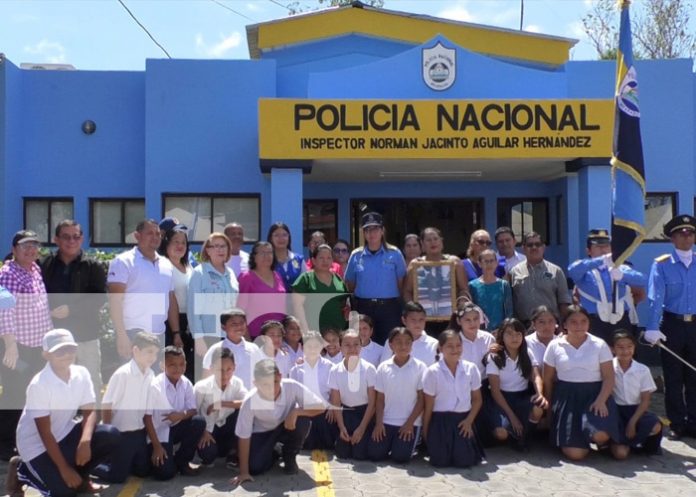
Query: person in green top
point(492, 294)
point(315, 304)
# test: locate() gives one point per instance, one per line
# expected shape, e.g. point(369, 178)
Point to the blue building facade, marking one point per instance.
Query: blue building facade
point(202, 140)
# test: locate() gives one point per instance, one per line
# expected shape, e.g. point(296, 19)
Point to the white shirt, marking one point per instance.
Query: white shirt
point(181, 281)
point(400, 386)
point(536, 349)
point(513, 261)
point(424, 349)
point(281, 359)
point(353, 385)
point(148, 284)
point(452, 393)
point(511, 379)
point(372, 353)
point(579, 365)
point(629, 384)
point(316, 378)
point(48, 395)
point(293, 355)
point(335, 359)
point(258, 415)
point(475, 351)
point(127, 393)
point(208, 392)
point(164, 397)
point(239, 263)
point(246, 355)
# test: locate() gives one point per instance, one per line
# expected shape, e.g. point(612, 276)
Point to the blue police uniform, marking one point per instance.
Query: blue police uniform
point(376, 278)
point(290, 270)
point(672, 297)
point(587, 282)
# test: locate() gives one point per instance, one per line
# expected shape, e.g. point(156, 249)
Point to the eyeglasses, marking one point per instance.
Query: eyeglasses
point(484, 242)
point(218, 247)
point(67, 238)
point(489, 261)
point(29, 245)
point(534, 245)
point(340, 251)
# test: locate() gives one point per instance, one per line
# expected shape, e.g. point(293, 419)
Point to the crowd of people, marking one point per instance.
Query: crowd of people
point(233, 354)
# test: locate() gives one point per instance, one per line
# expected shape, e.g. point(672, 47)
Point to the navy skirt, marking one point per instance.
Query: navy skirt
point(572, 423)
point(643, 428)
point(521, 405)
point(447, 447)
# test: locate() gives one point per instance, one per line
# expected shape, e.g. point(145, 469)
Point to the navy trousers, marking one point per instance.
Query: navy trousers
point(392, 446)
point(261, 451)
point(225, 439)
point(187, 433)
point(680, 381)
point(129, 458)
point(352, 417)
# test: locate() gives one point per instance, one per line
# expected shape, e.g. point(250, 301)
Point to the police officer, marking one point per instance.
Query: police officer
point(594, 279)
point(375, 273)
point(672, 296)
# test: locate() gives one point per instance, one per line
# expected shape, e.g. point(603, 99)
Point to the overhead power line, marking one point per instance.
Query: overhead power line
point(278, 3)
point(144, 28)
point(232, 10)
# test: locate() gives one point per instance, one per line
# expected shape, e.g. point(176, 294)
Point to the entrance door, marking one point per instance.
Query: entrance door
point(455, 218)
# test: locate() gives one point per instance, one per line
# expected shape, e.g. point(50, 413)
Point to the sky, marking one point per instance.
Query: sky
point(100, 35)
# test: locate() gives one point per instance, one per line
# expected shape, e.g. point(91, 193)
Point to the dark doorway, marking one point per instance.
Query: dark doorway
point(456, 218)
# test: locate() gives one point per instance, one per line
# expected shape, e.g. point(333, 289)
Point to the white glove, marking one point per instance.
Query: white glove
point(607, 261)
point(616, 274)
point(654, 336)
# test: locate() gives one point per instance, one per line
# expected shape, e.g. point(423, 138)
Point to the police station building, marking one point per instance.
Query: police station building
point(429, 121)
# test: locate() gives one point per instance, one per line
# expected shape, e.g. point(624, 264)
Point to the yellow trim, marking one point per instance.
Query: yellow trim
point(131, 487)
point(409, 28)
point(640, 231)
point(322, 474)
point(628, 169)
point(663, 258)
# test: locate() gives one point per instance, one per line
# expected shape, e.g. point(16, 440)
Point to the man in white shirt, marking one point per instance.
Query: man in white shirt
point(239, 260)
point(505, 242)
point(141, 290)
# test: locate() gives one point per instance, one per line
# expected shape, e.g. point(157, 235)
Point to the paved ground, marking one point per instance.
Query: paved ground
point(506, 473)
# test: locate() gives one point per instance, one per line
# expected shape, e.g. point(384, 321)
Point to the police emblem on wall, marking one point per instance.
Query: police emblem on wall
point(439, 66)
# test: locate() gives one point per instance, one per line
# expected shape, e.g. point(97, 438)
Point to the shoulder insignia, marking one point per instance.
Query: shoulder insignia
point(358, 249)
point(663, 258)
point(389, 246)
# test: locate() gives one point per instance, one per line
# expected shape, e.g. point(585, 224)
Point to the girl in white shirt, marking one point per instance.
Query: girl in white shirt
point(270, 341)
point(511, 370)
point(332, 349)
point(452, 400)
point(292, 345)
point(579, 378)
point(543, 329)
point(370, 350)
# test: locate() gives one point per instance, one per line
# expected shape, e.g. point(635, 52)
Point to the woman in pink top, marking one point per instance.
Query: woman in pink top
point(261, 290)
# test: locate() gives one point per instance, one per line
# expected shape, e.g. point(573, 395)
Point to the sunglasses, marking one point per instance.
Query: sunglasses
point(484, 242)
point(534, 245)
point(340, 251)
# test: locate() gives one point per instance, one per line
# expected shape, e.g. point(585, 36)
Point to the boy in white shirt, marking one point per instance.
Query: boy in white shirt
point(218, 398)
point(633, 387)
point(171, 418)
point(424, 348)
point(123, 406)
point(57, 452)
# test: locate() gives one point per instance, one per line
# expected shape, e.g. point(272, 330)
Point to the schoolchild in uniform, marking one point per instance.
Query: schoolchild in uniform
point(370, 350)
point(543, 329)
point(270, 342)
point(332, 349)
point(277, 410)
point(399, 402)
point(218, 399)
point(123, 406)
point(246, 354)
point(513, 375)
point(56, 452)
point(452, 400)
point(634, 385)
point(313, 373)
point(352, 384)
point(424, 346)
point(579, 378)
point(172, 418)
point(292, 343)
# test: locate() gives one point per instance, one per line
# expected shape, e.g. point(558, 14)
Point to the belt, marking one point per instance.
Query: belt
point(687, 318)
point(377, 301)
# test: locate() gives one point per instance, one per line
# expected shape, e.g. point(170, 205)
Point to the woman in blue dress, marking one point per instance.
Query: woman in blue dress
point(289, 265)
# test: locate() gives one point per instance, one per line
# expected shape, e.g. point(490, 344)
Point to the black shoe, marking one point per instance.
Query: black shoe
point(675, 433)
point(290, 467)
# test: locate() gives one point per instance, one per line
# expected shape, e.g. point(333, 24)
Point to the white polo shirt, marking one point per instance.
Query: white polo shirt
point(629, 384)
point(127, 393)
point(511, 379)
point(372, 353)
point(338, 358)
point(474, 351)
point(353, 385)
point(258, 415)
point(208, 392)
point(281, 359)
point(148, 283)
point(164, 397)
point(452, 392)
point(239, 263)
point(246, 355)
point(536, 349)
point(424, 349)
point(48, 395)
point(400, 386)
point(316, 378)
point(579, 365)
point(294, 355)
